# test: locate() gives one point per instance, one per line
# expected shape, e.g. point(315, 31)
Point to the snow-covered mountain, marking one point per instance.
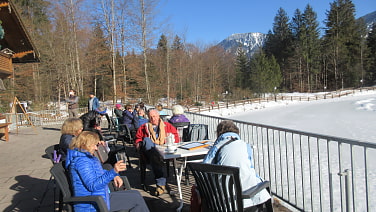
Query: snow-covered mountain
point(250, 42)
point(369, 19)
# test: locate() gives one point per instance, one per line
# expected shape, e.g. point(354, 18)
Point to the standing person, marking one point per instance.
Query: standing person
point(71, 128)
point(72, 101)
point(89, 178)
point(93, 102)
point(229, 150)
point(147, 136)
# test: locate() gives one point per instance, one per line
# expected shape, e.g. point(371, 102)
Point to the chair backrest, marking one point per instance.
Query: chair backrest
point(219, 186)
point(126, 135)
point(61, 178)
point(50, 151)
point(198, 132)
point(182, 128)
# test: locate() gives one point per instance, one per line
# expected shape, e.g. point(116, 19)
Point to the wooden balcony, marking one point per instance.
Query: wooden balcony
point(6, 66)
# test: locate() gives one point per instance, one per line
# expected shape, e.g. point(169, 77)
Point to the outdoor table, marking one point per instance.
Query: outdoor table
point(183, 154)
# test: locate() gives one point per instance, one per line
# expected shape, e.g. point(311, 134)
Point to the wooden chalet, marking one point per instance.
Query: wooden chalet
point(16, 46)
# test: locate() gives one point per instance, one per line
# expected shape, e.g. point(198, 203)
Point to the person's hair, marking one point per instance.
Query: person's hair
point(83, 140)
point(177, 110)
point(227, 126)
point(73, 91)
point(141, 110)
point(71, 126)
point(127, 107)
point(153, 109)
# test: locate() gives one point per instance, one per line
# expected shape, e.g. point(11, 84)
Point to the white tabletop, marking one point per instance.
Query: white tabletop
point(179, 153)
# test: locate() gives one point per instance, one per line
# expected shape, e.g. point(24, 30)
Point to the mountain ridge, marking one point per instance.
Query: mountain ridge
point(251, 42)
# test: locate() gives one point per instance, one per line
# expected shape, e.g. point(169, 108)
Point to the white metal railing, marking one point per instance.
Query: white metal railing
point(310, 172)
point(39, 118)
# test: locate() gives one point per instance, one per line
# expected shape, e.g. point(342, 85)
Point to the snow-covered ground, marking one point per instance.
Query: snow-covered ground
point(352, 116)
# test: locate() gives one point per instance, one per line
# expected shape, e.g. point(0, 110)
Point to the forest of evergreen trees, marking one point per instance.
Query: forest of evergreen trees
point(117, 49)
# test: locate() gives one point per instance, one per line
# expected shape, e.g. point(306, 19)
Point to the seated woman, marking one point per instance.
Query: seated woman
point(141, 117)
point(229, 150)
point(177, 115)
point(130, 119)
point(71, 128)
point(89, 178)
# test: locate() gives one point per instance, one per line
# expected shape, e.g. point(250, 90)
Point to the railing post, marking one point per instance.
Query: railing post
point(346, 173)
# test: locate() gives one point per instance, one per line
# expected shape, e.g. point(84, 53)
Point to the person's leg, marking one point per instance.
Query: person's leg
point(156, 162)
point(75, 112)
point(127, 200)
point(70, 112)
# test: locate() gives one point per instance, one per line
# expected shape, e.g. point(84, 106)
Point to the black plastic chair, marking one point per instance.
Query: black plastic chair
point(125, 135)
point(220, 187)
point(50, 154)
point(61, 179)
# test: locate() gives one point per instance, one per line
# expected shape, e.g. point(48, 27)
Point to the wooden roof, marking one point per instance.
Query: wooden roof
point(16, 37)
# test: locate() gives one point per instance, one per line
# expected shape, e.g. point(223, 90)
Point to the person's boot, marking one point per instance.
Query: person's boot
point(160, 190)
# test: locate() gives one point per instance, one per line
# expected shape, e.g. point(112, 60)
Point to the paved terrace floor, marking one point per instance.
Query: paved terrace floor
point(24, 174)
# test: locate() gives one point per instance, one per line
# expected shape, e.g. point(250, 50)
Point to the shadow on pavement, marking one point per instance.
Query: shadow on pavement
point(29, 193)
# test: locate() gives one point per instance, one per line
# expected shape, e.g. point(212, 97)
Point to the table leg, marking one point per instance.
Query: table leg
point(179, 174)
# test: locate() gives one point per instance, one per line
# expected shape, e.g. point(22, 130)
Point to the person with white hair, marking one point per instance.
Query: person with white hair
point(178, 116)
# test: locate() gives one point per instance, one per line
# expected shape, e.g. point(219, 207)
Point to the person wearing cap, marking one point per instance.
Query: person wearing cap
point(118, 111)
point(93, 102)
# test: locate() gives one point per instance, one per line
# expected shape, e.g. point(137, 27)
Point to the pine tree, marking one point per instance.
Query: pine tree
point(265, 73)
point(312, 55)
point(1, 31)
point(371, 59)
point(242, 69)
point(279, 44)
point(343, 41)
point(177, 44)
point(306, 47)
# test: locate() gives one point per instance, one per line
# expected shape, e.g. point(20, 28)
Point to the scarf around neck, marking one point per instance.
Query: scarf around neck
point(161, 135)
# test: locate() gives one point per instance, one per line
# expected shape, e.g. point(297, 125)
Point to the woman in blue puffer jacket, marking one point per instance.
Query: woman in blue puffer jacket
point(89, 178)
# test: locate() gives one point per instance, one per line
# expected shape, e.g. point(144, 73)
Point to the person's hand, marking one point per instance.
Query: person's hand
point(118, 182)
point(103, 143)
point(120, 166)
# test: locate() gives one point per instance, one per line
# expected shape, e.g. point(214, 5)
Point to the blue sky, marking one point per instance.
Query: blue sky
point(211, 21)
